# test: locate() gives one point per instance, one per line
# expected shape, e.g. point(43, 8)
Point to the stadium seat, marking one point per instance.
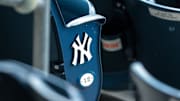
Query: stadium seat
point(149, 88)
point(71, 49)
point(116, 48)
point(79, 37)
point(21, 82)
point(157, 37)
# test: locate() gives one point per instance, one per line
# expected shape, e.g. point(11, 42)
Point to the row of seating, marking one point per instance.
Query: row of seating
point(154, 26)
point(74, 51)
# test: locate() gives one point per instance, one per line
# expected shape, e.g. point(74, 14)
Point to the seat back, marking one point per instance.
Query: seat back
point(16, 35)
point(20, 82)
point(115, 41)
point(79, 26)
point(149, 88)
point(79, 39)
point(32, 33)
point(157, 36)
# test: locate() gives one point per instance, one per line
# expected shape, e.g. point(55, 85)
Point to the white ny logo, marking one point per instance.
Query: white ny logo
point(83, 48)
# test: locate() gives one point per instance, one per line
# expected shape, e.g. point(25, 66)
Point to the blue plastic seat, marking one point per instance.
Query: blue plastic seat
point(21, 82)
point(72, 32)
point(71, 21)
point(115, 40)
point(157, 37)
point(149, 88)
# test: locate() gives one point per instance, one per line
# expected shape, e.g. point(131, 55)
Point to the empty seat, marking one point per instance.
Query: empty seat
point(22, 29)
point(75, 30)
point(149, 88)
point(20, 82)
point(79, 37)
point(157, 29)
point(16, 35)
point(115, 41)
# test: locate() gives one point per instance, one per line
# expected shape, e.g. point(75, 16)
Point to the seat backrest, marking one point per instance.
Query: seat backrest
point(20, 82)
point(82, 29)
point(115, 40)
point(157, 37)
point(149, 88)
point(26, 31)
point(16, 35)
point(79, 39)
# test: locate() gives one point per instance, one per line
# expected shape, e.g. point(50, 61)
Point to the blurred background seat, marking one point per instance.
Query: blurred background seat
point(20, 33)
point(21, 82)
point(116, 44)
point(157, 38)
point(149, 88)
point(16, 35)
point(26, 38)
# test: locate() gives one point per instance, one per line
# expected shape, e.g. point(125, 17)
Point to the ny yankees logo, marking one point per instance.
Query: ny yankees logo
point(82, 49)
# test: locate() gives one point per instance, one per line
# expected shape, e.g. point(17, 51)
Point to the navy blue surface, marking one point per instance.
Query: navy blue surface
point(156, 46)
point(15, 40)
point(115, 64)
point(72, 9)
point(116, 80)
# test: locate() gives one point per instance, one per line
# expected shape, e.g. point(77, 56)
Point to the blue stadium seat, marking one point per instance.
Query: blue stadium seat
point(79, 37)
point(21, 82)
point(74, 49)
point(157, 37)
point(116, 51)
point(149, 88)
